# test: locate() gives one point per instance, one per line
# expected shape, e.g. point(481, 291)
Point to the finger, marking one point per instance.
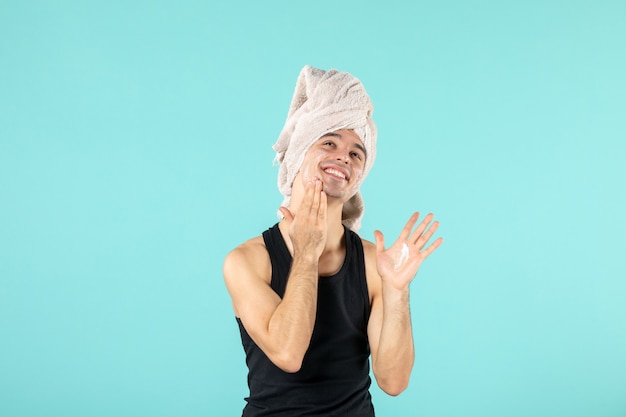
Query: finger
point(317, 190)
point(307, 200)
point(421, 241)
point(287, 216)
point(406, 231)
point(380, 241)
point(420, 229)
point(323, 206)
point(426, 252)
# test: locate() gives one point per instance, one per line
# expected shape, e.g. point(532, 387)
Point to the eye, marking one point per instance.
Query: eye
point(328, 143)
point(356, 155)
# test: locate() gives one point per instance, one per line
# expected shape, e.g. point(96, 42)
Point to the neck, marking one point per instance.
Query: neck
point(334, 227)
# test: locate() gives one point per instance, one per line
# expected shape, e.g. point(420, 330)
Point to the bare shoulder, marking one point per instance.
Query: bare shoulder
point(369, 251)
point(247, 274)
point(369, 248)
point(250, 259)
point(371, 269)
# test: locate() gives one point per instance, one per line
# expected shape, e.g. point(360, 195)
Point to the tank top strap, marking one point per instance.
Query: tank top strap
point(357, 262)
point(280, 259)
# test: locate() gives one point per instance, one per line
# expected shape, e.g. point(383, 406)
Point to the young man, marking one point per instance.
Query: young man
point(312, 299)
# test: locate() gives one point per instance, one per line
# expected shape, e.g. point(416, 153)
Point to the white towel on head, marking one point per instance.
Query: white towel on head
point(324, 102)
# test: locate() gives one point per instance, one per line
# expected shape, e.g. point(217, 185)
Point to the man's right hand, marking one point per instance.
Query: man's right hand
point(281, 327)
point(307, 226)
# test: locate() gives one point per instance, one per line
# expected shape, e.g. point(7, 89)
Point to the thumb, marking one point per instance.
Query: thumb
point(286, 214)
point(380, 241)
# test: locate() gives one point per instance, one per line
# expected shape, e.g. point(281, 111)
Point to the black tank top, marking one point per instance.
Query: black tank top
point(334, 377)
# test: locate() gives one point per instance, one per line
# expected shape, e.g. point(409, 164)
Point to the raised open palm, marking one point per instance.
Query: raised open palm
point(399, 263)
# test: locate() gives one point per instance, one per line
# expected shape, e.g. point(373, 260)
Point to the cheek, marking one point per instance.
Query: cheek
point(309, 167)
point(306, 174)
point(358, 175)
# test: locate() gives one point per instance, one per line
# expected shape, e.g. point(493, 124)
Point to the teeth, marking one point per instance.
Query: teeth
point(335, 172)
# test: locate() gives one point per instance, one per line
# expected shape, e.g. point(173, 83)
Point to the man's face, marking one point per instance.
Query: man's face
point(338, 160)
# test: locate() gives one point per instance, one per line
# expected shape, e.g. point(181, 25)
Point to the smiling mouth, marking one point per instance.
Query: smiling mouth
point(336, 173)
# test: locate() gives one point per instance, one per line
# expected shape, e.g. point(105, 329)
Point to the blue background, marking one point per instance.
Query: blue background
point(135, 152)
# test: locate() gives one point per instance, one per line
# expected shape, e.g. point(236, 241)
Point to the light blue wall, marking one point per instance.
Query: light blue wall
point(135, 152)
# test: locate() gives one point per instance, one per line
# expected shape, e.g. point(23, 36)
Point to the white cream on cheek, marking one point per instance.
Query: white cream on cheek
point(307, 169)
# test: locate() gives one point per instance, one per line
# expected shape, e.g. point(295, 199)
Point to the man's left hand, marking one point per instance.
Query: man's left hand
point(399, 263)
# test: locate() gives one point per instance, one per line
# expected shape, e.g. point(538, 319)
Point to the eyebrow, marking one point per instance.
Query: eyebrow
point(356, 144)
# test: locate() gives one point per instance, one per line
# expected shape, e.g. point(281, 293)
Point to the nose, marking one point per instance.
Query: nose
point(343, 157)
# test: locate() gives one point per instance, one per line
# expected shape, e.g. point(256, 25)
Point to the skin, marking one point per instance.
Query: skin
point(330, 174)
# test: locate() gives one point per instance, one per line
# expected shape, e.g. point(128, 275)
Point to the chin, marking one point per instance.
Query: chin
point(338, 194)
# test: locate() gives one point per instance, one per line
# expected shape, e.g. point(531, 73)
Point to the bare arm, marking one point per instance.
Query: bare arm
point(389, 328)
point(282, 328)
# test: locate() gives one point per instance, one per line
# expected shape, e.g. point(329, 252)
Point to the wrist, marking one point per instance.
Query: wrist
point(305, 259)
point(391, 292)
